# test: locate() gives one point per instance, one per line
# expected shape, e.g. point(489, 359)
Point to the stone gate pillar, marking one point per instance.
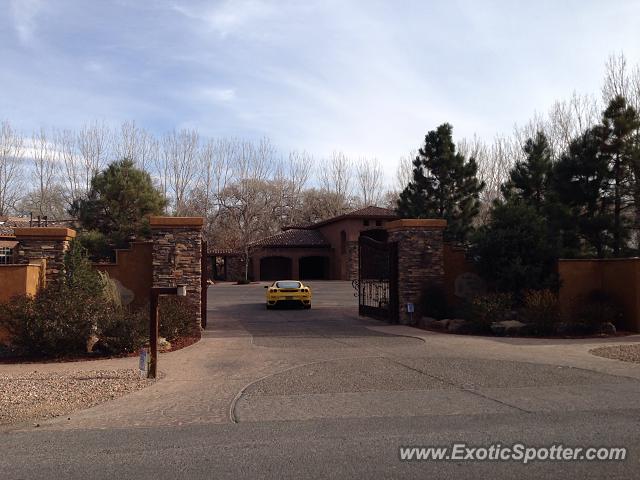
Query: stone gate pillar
point(177, 252)
point(420, 260)
point(50, 243)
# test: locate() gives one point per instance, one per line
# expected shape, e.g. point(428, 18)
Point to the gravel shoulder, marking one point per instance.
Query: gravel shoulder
point(38, 395)
point(624, 353)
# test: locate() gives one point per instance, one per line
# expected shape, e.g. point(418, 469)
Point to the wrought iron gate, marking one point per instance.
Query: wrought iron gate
point(377, 282)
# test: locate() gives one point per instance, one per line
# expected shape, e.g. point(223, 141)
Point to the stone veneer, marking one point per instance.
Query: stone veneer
point(420, 260)
point(353, 260)
point(177, 252)
point(50, 243)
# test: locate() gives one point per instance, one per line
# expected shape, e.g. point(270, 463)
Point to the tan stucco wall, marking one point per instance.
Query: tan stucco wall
point(617, 277)
point(134, 270)
point(19, 280)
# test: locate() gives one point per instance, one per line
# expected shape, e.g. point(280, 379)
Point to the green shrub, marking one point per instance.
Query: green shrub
point(541, 309)
point(121, 331)
point(433, 302)
point(56, 322)
point(488, 308)
point(177, 318)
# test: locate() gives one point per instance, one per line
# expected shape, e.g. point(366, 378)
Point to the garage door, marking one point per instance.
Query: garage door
point(275, 268)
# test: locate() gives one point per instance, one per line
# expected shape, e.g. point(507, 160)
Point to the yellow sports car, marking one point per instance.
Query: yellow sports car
point(288, 292)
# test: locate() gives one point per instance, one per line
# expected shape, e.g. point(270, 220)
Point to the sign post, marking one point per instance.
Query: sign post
point(156, 292)
point(410, 310)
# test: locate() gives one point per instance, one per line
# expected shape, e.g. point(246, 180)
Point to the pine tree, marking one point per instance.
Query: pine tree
point(619, 125)
point(120, 199)
point(444, 185)
point(581, 184)
point(529, 179)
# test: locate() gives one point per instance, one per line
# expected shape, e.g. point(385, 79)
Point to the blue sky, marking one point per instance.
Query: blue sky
point(365, 77)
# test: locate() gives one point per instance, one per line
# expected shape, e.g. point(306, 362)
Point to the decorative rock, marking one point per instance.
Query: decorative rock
point(440, 324)
point(456, 325)
point(163, 344)
point(507, 327)
point(608, 328)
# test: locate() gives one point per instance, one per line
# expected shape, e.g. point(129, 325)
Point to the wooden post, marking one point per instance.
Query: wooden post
point(154, 323)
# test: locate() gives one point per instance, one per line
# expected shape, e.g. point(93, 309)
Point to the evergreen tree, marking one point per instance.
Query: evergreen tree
point(620, 123)
point(514, 250)
point(529, 179)
point(444, 185)
point(120, 199)
point(581, 184)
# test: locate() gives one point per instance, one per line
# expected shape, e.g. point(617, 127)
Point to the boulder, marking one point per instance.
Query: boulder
point(457, 325)
point(425, 322)
point(440, 324)
point(608, 328)
point(163, 345)
point(508, 327)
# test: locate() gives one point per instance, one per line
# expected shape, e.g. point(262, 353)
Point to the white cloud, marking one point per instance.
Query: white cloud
point(218, 95)
point(24, 18)
point(228, 17)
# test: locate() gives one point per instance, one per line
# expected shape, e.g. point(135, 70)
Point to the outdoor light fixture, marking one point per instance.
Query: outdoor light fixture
point(181, 291)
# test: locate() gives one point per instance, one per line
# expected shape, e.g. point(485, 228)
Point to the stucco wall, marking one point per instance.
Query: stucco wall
point(617, 277)
point(133, 269)
point(20, 280)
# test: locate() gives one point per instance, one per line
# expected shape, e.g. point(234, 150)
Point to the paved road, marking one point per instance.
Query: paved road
point(322, 393)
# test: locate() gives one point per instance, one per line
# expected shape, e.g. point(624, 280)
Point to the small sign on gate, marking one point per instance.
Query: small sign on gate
point(410, 308)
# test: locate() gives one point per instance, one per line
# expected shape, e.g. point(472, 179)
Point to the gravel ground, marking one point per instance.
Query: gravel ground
point(625, 353)
point(37, 395)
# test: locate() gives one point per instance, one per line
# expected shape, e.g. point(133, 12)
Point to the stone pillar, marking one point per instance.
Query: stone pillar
point(420, 260)
point(50, 243)
point(177, 251)
point(352, 260)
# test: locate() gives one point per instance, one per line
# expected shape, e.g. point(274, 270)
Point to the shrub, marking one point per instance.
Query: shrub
point(177, 318)
point(541, 309)
point(434, 302)
point(121, 330)
point(56, 322)
point(488, 308)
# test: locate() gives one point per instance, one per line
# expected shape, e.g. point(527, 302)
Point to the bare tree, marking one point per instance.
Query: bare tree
point(180, 156)
point(93, 146)
point(616, 79)
point(11, 168)
point(45, 158)
point(73, 181)
point(136, 144)
point(370, 181)
point(335, 178)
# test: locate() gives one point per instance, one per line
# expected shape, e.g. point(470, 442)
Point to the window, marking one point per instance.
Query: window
point(366, 223)
point(343, 242)
point(6, 256)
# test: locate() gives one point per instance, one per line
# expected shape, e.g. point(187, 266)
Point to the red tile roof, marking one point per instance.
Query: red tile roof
point(367, 212)
point(294, 238)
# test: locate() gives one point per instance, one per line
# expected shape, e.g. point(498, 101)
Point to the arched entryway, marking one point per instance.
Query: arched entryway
point(378, 234)
point(275, 268)
point(314, 268)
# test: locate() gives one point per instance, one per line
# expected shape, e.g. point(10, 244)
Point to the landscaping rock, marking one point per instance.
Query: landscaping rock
point(457, 325)
point(163, 345)
point(425, 322)
point(608, 328)
point(564, 328)
point(508, 327)
point(440, 324)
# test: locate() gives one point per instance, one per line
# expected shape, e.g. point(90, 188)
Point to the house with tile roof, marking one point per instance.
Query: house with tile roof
point(325, 250)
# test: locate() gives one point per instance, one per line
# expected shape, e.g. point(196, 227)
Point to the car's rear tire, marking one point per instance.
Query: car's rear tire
point(269, 307)
point(307, 307)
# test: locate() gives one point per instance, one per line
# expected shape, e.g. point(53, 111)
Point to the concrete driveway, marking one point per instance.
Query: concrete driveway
point(322, 392)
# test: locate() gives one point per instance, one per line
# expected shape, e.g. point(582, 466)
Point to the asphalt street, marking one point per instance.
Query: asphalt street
point(325, 394)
